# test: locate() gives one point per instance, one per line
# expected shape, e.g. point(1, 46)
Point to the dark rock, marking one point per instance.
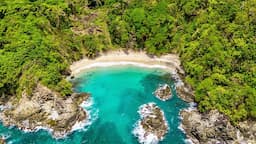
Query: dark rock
point(45, 108)
point(163, 92)
point(184, 90)
point(66, 72)
point(152, 123)
point(213, 127)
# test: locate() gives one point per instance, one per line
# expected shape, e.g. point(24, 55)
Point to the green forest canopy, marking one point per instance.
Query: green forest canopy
point(216, 41)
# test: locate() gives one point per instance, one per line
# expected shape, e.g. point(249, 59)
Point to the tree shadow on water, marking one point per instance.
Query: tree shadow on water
point(151, 81)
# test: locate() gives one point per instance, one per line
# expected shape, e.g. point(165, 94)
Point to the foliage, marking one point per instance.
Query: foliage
point(215, 40)
point(36, 46)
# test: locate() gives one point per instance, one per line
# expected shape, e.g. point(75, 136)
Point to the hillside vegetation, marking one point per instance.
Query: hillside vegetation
point(216, 41)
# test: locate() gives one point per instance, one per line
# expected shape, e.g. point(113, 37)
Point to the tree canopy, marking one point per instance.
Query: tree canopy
point(216, 41)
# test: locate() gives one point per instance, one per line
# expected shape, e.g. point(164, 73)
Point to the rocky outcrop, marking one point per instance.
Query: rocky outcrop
point(152, 126)
point(183, 90)
point(47, 109)
point(163, 92)
point(248, 130)
point(213, 127)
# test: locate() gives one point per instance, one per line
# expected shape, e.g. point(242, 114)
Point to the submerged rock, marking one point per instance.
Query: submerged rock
point(163, 92)
point(45, 109)
point(214, 127)
point(152, 126)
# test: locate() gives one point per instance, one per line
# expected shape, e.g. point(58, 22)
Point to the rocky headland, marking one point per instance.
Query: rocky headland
point(163, 92)
point(152, 126)
point(211, 127)
point(45, 109)
point(184, 90)
point(215, 128)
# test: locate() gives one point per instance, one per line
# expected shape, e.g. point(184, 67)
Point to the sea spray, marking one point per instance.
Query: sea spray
point(163, 92)
point(192, 106)
point(92, 115)
point(78, 126)
point(152, 132)
point(140, 132)
point(117, 92)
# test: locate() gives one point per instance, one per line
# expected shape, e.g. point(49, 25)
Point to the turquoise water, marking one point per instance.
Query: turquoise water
point(116, 94)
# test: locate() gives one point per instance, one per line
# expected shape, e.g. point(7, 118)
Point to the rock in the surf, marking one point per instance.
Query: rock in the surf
point(152, 127)
point(163, 92)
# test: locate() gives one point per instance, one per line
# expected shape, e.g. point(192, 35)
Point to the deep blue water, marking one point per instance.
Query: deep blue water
point(116, 94)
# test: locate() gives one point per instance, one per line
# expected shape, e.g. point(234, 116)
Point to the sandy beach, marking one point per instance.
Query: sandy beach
point(170, 62)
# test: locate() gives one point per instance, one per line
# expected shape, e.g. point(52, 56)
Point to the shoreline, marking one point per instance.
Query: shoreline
point(190, 117)
point(45, 110)
point(170, 62)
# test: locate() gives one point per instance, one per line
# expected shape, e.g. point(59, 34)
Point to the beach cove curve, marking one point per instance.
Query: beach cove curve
point(133, 60)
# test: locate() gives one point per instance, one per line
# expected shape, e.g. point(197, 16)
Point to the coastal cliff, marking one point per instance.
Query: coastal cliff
point(214, 39)
point(214, 127)
point(45, 109)
point(211, 127)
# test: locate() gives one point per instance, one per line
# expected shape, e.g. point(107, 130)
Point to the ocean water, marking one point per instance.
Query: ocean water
point(117, 92)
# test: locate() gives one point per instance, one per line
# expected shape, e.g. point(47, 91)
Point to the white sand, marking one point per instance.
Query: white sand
point(170, 62)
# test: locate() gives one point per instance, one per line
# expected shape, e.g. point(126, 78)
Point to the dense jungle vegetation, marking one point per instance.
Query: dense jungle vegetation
point(216, 40)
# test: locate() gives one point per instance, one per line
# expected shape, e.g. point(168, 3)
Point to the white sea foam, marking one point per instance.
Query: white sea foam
point(92, 115)
point(181, 128)
point(79, 125)
point(107, 64)
point(144, 111)
point(87, 104)
point(188, 141)
point(160, 88)
point(143, 136)
point(192, 106)
point(37, 128)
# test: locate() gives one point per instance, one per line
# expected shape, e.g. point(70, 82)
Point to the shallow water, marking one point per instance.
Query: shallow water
point(116, 94)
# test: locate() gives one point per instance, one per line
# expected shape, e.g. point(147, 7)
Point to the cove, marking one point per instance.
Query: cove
point(117, 92)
